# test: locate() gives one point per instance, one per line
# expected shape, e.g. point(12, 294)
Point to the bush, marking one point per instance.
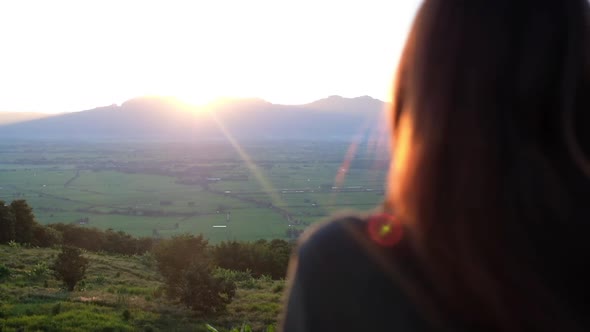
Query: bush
point(56, 309)
point(203, 292)
point(46, 236)
point(4, 272)
point(14, 244)
point(184, 263)
point(39, 271)
point(24, 221)
point(126, 315)
point(279, 287)
point(233, 276)
point(147, 259)
point(260, 257)
point(70, 266)
point(173, 256)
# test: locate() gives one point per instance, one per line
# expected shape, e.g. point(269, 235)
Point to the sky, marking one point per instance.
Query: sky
point(62, 56)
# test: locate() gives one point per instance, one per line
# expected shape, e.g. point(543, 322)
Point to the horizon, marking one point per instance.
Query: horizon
point(65, 56)
point(211, 103)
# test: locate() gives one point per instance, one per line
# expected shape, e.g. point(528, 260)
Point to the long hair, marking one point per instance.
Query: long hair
point(487, 107)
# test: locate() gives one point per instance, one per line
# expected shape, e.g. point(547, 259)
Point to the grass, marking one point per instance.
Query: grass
point(119, 294)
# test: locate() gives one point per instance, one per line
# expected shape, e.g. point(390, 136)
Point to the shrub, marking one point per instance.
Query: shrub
point(39, 271)
point(279, 287)
point(4, 272)
point(70, 266)
point(232, 275)
point(147, 259)
point(260, 257)
point(24, 221)
point(203, 292)
point(126, 315)
point(175, 255)
point(7, 223)
point(148, 328)
point(44, 236)
point(56, 309)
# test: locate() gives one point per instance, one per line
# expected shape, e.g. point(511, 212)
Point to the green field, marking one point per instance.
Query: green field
point(162, 189)
point(32, 300)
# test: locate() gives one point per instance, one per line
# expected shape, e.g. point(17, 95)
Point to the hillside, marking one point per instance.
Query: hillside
point(7, 118)
point(119, 294)
point(168, 119)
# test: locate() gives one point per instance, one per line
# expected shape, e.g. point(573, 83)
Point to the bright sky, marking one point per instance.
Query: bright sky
point(62, 56)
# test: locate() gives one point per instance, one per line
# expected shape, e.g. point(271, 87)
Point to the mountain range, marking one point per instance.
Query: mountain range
point(169, 119)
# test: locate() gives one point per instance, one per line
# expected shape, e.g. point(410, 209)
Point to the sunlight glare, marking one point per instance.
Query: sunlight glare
point(68, 55)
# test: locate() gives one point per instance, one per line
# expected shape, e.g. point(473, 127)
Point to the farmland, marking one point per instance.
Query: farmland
point(255, 190)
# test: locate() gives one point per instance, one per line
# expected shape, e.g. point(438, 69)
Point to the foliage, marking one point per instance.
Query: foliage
point(211, 328)
point(260, 257)
point(278, 288)
point(184, 263)
point(203, 292)
point(244, 328)
point(174, 255)
point(7, 223)
point(70, 266)
point(39, 271)
point(13, 244)
point(126, 315)
point(56, 309)
point(101, 303)
point(233, 275)
point(147, 259)
point(93, 239)
point(4, 272)
point(24, 221)
point(44, 236)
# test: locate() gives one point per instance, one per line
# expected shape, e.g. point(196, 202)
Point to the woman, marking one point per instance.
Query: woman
point(486, 220)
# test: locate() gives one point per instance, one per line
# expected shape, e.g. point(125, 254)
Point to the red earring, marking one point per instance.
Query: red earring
point(385, 229)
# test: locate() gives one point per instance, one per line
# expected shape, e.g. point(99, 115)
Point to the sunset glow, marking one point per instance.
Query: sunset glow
point(72, 55)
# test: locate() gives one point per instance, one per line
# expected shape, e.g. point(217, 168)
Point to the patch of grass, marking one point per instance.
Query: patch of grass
point(119, 294)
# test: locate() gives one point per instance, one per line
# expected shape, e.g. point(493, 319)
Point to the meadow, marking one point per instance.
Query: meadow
point(119, 293)
point(257, 190)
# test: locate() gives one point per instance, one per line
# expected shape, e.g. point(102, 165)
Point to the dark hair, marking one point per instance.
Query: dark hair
point(488, 114)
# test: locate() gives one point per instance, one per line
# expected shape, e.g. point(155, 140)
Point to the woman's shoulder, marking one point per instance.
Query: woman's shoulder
point(337, 231)
point(349, 236)
point(342, 279)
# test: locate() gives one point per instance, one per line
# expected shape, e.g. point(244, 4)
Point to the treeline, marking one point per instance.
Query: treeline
point(18, 224)
point(260, 258)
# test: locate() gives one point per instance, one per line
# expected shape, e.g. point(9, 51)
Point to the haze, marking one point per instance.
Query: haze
point(62, 56)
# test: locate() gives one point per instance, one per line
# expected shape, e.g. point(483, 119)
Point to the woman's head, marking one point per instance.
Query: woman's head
point(486, 112)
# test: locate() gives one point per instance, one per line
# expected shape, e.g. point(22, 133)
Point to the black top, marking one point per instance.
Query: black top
point(338, 283)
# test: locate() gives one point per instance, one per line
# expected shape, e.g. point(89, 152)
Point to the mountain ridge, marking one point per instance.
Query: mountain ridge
point(168, 118)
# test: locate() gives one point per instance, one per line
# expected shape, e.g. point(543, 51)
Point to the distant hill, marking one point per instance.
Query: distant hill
point(15, 117)
point(163, 118)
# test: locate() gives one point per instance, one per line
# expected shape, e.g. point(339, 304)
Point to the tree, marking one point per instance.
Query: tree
point(70, 266)
point(185, 264)
point(175, 255)
point(25, 221)
point(260, 257)
point(203, 292)
point(281, 254)
point(90, 239)
point(7, 222)
point(44, 236)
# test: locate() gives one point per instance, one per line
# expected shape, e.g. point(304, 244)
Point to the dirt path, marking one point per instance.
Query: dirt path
point(72, 179)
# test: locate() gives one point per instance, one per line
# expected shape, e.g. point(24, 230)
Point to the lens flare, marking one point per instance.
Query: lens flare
point(264, 183)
